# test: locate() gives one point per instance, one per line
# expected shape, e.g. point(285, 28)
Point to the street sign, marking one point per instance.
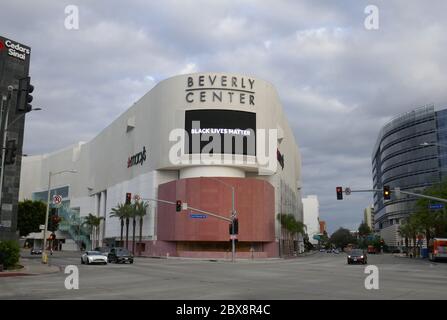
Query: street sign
point(436, 206)
point(348, 191)
point(198, 216)
point(316, 237)
point(42, 227)
point(233, 237)
point(184, 206)
point(57, 199)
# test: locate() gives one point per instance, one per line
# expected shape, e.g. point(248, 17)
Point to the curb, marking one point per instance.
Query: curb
point(27, 273)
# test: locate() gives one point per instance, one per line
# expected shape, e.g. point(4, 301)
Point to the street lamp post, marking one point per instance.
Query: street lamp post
point(44, 249)
point(233, 216)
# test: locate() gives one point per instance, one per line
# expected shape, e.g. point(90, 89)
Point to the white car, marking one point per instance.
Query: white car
point(90, 257)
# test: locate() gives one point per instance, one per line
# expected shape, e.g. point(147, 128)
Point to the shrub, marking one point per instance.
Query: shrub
point(9, 253)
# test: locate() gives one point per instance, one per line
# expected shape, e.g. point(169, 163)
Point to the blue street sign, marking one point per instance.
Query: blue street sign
point(436, 206)
point(197, 216)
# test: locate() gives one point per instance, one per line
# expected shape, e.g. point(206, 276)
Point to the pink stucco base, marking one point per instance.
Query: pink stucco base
point(180, 234)
point(160, 248)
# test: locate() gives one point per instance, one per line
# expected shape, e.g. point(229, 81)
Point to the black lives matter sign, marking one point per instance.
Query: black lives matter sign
point(220, 131)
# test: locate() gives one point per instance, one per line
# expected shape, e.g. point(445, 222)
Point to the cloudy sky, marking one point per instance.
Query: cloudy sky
point(338, 81)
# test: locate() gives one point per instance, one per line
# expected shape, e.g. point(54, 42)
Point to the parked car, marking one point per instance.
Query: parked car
point(437, 249)
point(357, 256)
point(90, 257)
point(322, 250)
point(120, 255)
point(371, 249)
point(36, 251)
point(336, 251)
point(104, 250)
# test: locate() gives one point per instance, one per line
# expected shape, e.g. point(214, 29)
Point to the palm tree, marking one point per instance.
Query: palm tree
point(133, 215)
point(141, 211)
point(120, 212)
point(93, 222)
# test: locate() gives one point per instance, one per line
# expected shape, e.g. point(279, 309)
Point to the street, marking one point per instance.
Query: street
point(318, 276)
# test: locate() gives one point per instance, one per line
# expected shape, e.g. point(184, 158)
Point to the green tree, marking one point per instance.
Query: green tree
point(404, 232)
point(364, 230)
point(93, 222)
point(432, 223)
point(410, 229)
point(342, 237)
point(9, 253)
point(292, 226)
point(30, 215)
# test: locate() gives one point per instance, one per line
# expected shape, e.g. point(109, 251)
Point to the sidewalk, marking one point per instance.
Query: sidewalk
point(30, 268)
point(250, 260)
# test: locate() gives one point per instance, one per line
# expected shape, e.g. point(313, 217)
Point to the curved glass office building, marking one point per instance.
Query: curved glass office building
point(410, 153)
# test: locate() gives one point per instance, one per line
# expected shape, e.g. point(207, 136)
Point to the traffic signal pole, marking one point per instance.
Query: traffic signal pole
point(397, 191)
point(191, 208)
point(231, 220)
point(422, 196)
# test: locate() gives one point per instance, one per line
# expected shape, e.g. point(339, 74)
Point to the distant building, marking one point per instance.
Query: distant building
point(311, 214)
point(354, 233)
point(368, 217)
point(410, 153)
point(322, 226)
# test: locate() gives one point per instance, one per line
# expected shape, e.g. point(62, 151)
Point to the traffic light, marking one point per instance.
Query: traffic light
point(128, 197)
point(386, 193)
point(53, 220)
point(178, 205)
point(339, 193)
point(236, 227)
point(10, 152)
point(24, 97)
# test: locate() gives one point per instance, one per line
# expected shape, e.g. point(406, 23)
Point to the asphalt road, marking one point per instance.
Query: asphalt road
point(319, 276)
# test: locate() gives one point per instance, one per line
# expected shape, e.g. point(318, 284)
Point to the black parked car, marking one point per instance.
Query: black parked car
point(120, 255)
point(104, 250)
point(357, 256)
point(36, 251)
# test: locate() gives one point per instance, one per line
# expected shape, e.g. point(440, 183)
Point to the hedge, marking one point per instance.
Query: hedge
point(9, 253)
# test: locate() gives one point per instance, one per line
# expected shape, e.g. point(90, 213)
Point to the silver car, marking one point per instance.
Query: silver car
point(90, 257)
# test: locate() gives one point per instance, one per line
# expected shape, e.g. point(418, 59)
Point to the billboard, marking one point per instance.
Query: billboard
point(220, 131)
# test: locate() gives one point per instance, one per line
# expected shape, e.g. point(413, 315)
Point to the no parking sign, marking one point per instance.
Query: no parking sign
point(57, 199)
